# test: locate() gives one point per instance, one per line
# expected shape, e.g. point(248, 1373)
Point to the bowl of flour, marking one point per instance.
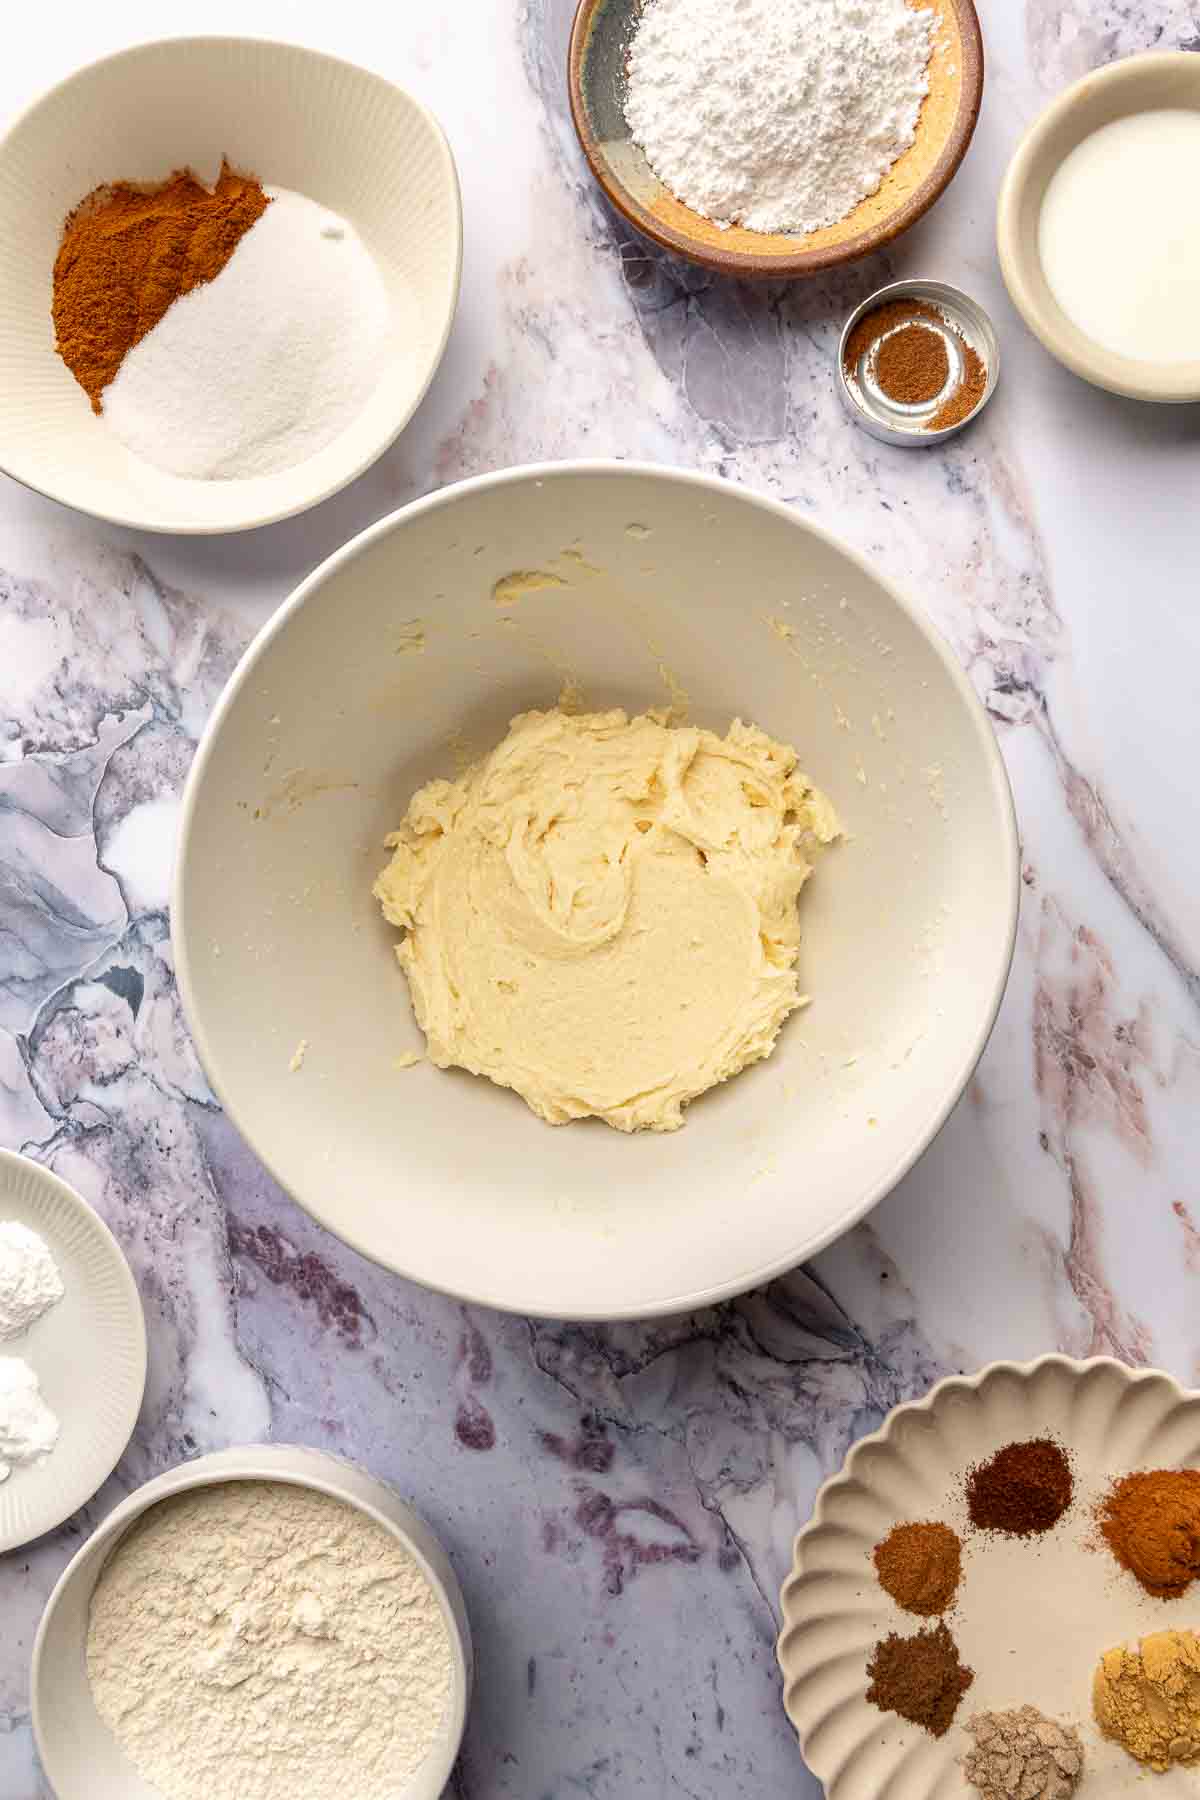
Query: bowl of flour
point(267, 1623)
point(774, 138)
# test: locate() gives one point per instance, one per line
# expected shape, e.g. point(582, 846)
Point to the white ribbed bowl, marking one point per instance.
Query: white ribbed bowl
point(79, 1754)
point(295, 119)
point(1033, 1615)
point(89, 1353)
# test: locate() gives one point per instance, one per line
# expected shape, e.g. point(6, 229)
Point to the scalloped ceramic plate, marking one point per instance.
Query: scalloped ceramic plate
point(1032, 1615)
point(89, 1353)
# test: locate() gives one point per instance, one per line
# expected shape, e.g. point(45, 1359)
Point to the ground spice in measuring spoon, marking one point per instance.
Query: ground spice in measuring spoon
point(1151, 1523)
point(1023, 1490)
point(128, 252)
point(920, 1677)
point(919, 1566)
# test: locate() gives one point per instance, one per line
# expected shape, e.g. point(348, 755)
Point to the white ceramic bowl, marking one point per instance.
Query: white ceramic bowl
point(88, 1352)
point(1032, 1616)
point(79, 1755)
point(1136, 84)
point(392, 661)
point(295, 119)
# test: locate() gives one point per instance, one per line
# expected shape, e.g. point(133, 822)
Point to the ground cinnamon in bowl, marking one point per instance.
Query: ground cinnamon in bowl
point(919, 1566)
point(920, 1677)
point(1151, 1523)
point(128, 252)
point(1023, 1490)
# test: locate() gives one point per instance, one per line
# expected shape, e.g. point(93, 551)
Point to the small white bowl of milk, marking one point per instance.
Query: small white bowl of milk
point(1099, 230)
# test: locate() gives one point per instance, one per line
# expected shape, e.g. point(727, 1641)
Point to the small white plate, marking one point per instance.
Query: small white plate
point(1033, 1615)
point(89, 1353)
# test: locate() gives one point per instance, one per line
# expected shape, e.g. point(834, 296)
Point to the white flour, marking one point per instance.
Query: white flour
point(264, 365)
point(28, 1429)
point(776, 114)
point(254, 1641)
point(30, 1283)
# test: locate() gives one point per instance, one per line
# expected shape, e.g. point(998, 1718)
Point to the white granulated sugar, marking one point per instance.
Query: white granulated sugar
point(28, 1428)
point(255, 1641)
point(264, 365)
point(30, 1283)
point(780, 115)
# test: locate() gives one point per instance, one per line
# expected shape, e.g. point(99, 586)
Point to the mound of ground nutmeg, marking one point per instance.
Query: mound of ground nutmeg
point(919, 1566)
point(911, 365)
point(966, 396)
point(901, 343)
point(128, 251)
point(920, 1677)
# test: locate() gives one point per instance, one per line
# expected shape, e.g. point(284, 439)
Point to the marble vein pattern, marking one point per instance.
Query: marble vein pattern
point(620, 1502)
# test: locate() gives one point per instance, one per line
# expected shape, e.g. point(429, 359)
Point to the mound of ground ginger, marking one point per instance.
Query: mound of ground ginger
point(1148, 1699)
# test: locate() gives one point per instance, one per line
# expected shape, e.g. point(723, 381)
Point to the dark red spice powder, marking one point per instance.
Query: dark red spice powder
point(1023, 1490)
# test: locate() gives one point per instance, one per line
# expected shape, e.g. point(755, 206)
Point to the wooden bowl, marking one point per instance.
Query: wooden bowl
point(596, 80)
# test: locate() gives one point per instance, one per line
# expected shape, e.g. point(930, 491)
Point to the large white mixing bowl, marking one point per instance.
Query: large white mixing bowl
point(396, 660)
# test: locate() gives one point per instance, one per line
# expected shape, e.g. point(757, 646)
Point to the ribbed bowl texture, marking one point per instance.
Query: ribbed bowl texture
point(294, 119)
point(88, 1351)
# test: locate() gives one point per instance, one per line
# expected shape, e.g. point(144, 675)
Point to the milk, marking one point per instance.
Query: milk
point(1119, 236)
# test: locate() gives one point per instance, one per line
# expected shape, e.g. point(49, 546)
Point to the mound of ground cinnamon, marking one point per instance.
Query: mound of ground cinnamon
point(920, 1677)
point(919, 1566)
point(1151, 1523)
point(127, 252)
point(966, 396)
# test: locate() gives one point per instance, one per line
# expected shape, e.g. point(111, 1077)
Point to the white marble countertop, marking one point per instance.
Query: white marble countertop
point(620, 1503)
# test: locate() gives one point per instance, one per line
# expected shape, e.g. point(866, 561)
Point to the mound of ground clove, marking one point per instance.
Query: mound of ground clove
point(921, 1678)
